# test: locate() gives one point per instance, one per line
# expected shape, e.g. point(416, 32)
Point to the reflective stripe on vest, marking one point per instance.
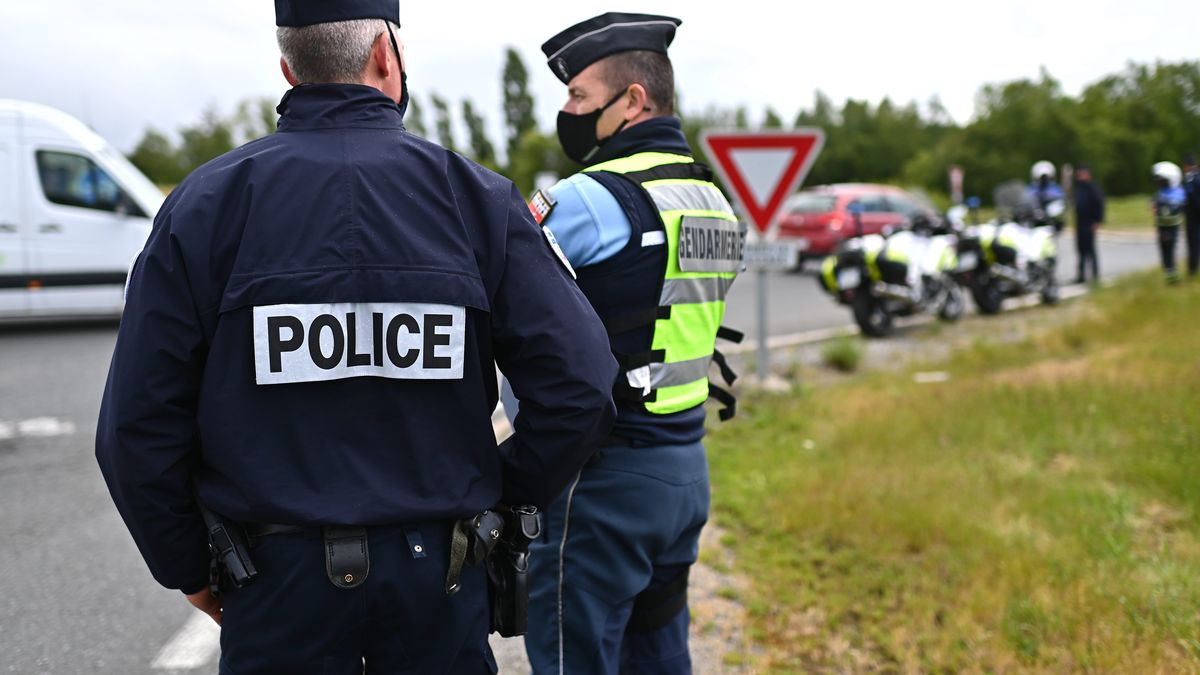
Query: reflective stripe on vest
point(696, 297)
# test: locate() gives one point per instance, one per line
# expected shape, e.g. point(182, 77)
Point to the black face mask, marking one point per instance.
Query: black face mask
point(403, 74)
point(577, 133)
point(403, 93)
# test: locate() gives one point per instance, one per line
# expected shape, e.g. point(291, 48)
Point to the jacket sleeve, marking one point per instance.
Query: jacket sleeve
point(554, 351)
point(588, 221)
point(145, 437)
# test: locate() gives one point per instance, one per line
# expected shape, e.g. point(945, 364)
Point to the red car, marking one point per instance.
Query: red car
point(817, 218)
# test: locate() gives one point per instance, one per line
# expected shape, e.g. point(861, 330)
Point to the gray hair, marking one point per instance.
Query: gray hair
point(330, 52)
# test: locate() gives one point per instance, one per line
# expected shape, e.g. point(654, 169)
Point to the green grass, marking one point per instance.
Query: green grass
point(1128, 213)
point(1121, 213)
point(1039, 512)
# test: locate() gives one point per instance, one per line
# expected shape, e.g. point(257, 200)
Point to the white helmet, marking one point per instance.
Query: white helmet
point(1169, 171)
point(1043, 168)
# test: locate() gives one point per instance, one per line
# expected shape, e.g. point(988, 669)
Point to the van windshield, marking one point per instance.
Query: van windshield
point(811, 202)
point(135, 182)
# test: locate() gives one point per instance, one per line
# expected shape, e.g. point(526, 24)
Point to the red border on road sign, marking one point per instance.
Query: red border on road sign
point(806, 143)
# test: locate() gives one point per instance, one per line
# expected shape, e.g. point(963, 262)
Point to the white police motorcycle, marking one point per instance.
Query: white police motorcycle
point(899, 273)
point(1006, 259)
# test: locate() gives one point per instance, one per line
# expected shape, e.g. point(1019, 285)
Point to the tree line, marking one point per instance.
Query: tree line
point(1120, 125)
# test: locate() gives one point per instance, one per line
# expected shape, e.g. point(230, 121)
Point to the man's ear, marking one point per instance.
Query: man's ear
point(287, 72)
point(381, 54)
point(637, 102)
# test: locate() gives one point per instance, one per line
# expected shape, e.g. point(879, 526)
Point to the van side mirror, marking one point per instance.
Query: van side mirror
point(127, 208)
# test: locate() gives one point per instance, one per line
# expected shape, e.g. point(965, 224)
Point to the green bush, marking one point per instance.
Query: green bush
point(843, 354)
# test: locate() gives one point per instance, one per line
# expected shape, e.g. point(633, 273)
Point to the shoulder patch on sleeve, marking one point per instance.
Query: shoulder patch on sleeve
point(558, 252)
point(541, 205)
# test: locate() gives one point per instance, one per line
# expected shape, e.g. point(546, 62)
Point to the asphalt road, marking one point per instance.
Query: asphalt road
point(75, 596)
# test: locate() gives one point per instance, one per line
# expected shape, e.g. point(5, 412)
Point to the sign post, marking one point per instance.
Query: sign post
point(762, 169)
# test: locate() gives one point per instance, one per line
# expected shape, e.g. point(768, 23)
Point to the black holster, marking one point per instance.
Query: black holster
point(230, 553)
point(508, 571)
point(500, 542)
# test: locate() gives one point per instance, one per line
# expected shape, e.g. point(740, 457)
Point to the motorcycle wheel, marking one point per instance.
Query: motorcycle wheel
point(872, 317)
point(954, 304)
point(987, 295)
point(1050, 291)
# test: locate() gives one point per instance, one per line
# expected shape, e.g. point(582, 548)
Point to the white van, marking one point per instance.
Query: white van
point(73, 214)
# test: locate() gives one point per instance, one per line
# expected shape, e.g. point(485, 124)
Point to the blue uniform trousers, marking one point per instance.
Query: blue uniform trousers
point(1168, 236)
point(631, 522)
point(293, 620)
point(1085, 245)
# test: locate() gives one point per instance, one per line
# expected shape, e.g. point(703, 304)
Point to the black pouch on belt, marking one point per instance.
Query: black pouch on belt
point(508, 571)
point(347, 560)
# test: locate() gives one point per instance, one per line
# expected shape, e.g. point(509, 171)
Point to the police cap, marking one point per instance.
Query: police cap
point(296, 13)
point(587, 42)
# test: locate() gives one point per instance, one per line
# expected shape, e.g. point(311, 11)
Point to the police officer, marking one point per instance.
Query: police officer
point(1043, 191)
point(1168, 204)
point(309, 349)
point(1089, 217)
point(656, 246)
point(1191, 186)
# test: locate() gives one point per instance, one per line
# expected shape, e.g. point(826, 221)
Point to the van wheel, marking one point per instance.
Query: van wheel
point(872, 317)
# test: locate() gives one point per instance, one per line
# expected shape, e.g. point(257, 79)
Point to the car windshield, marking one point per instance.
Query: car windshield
point(809, 202)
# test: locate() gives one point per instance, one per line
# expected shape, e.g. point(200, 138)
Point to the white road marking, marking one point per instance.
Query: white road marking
point(45, 427)
point(195, 645)
point(36, 427)
point(933, 377)
point(500, 424)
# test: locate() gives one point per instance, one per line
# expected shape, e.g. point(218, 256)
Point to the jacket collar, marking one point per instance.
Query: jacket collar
point(325, 106)
point(660, 134)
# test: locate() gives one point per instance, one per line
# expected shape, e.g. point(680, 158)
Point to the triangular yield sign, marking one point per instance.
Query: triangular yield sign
point(763, 167)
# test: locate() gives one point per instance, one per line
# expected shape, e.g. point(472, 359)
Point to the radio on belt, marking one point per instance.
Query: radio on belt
point(315, 343)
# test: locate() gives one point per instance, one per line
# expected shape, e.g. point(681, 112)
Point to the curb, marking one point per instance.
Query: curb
point(1126, 236)
point(1068, 292)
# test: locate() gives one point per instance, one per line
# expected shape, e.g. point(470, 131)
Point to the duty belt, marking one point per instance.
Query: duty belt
point(347, 556)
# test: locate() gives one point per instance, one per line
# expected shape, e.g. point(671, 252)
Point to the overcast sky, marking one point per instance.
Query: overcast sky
point(121, 65)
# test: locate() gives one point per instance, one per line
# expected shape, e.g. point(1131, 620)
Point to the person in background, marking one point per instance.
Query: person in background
point(1191, 187)
point(1168, 205)
point(1089, 216)
point(1043, 190)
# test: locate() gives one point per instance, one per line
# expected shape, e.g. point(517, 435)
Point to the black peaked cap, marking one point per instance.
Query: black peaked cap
point(296, 13)
point(587, 42)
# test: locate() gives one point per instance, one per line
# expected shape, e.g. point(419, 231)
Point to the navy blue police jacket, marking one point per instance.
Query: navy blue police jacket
point(311, 335)
point(1191, 186)
point(1089, 204)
